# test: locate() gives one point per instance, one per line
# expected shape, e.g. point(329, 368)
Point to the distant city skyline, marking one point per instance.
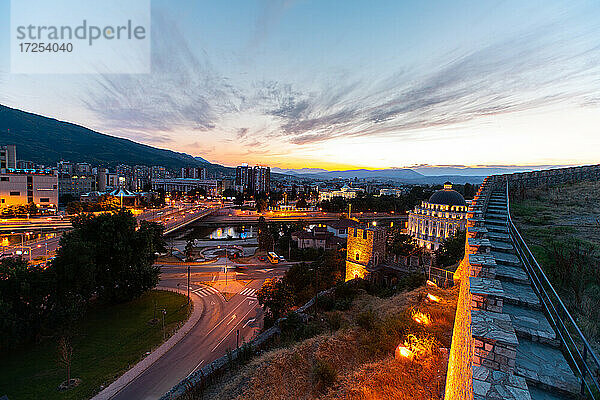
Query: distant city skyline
point(345, 85)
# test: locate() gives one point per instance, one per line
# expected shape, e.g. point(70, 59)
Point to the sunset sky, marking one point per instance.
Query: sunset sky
point(344, 84)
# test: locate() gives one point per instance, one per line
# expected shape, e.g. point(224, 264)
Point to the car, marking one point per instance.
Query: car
point(281, 258)
point(262, 258)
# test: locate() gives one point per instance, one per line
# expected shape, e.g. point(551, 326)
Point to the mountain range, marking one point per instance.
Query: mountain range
point(46, 140)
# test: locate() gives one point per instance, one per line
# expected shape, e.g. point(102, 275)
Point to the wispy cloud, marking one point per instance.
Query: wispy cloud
point(184, 90)
point(527, 72)
point(535, 69)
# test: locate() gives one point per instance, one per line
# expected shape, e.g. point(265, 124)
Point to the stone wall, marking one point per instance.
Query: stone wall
point(370, 250)
point(476, 347)
point(548, 177)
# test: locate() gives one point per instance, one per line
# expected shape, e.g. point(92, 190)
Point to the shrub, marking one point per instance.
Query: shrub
point(367, 320)
point(324, 374)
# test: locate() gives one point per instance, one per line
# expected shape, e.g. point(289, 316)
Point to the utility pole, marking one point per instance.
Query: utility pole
point(164, 312)
point(188, 285)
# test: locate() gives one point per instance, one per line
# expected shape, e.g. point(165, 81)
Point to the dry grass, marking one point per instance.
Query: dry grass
point(357, 360)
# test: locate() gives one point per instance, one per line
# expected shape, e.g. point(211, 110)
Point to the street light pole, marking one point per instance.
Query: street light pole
point(225, 265)
point(164, 312)
point(188, 285)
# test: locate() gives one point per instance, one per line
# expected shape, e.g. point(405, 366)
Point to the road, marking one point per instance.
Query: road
point(171, 217)
point(214, 334)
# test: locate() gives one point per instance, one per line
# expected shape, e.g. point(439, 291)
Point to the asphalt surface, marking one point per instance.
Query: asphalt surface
point(215, 332)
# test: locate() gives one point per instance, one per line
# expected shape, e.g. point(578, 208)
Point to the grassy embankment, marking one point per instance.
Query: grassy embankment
point(561, 226)
point(348, 353)
point(108, 341)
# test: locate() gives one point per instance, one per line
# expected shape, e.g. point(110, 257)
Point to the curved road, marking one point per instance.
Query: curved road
point(213, 335)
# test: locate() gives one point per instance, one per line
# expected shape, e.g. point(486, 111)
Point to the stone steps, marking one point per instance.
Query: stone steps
point(499, 236)
point(545, 367)
point(516, 351)
point(511, 273)
point(506, 258)
point(531, 325)
point(496, 216)
point(518, 294)
point(496, 228)
point(544, 394)
point(490, 384)
point(495, 221)
point(502, 247)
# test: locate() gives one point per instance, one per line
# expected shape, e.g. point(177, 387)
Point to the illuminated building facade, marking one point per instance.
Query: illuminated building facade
point(365, 250)
point(345, 192)
point(438, 218)
point(21, 187)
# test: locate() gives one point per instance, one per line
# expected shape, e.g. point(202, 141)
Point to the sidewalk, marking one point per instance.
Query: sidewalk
point(141, 366)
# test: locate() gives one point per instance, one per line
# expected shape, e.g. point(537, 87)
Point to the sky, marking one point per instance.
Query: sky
point(347, 84)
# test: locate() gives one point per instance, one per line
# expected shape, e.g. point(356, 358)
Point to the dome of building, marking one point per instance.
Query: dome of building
point(447, 196)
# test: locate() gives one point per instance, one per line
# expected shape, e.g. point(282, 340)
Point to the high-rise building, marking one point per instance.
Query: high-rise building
point(261, 179)
point(252, 180)
point(158, 172)
point(193, 172)
point(64, 167)
point(242, 178)
point(82, 168)
point(141, 177)
point(8, 156)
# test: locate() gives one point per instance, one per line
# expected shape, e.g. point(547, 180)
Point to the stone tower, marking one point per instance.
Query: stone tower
point(366, 249)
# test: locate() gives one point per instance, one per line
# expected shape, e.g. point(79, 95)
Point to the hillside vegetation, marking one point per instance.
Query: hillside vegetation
point(46, 141)
point(561, 225)
point(352, 354)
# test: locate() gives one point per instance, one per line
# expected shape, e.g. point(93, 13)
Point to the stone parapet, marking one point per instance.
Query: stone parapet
point(486, 294)
point(494, 340)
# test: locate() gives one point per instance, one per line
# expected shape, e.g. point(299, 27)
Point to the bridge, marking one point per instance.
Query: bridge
point(513, 338)
point(172, 218)
point(231, 216)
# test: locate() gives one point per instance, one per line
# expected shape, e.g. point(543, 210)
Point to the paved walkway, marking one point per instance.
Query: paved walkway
point(140, 367)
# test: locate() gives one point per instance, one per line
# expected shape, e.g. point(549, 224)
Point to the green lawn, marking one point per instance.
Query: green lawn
point(106, 343)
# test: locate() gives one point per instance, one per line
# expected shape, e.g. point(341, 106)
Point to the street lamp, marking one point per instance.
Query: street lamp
point(46, 245)
point(188, 285)
point(164, 312)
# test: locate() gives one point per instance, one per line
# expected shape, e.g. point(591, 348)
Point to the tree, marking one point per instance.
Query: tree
point(229, 193)
point(65, 351)
point(106, 255)
point(75, 207)
point(469, 191)
point(452, 250)
point(189, 250)
point(107, 202)
point(261, 205)
point(401, 244)
point(301, 203)
point(265, 237)
point(24, 292)
point(277, 296)
point(32, 208)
